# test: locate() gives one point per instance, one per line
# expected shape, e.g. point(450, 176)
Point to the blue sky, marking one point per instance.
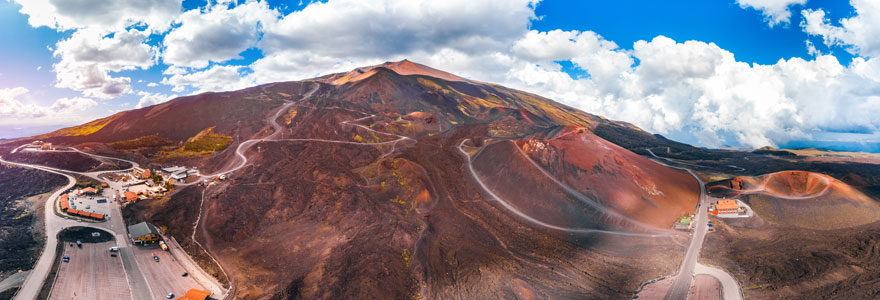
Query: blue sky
point(709, 73)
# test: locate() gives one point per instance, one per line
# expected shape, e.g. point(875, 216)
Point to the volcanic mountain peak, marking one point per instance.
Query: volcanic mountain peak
point(403, 67)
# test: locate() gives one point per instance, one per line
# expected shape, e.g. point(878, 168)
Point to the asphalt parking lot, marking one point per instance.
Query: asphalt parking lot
point(90, 203)
point(91, 274)
point(164, 276)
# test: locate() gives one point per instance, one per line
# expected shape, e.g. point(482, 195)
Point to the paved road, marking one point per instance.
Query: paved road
point(31, 286)
point(729, 286)
point(13, 281)
point(54, 224)
point(685, 277)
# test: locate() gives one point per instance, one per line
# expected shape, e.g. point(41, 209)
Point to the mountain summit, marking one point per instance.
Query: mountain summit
point(399, 180)
point(403, 67)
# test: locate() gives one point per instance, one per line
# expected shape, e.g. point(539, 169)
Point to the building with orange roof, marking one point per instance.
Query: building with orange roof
point(64, 202)
point(146, 174)
point(46, 146)
point(130, 196)
point(727, 206)
point(81, 213)
point(96, 216)
point(88, 190)
point(195, 294)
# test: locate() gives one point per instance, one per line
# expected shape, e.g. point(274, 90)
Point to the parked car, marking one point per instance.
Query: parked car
point(66, 259)
point(170, 295)
point(184, 274)
point(710, 224)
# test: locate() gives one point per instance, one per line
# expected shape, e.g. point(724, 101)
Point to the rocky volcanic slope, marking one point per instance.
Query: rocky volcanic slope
point(802, 199)
point(20, 237)
point(402, 181)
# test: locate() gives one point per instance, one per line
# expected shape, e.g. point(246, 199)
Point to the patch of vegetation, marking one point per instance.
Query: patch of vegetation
point(207, 140)
point(203, 143)
point(773, 151)
point(288, 118)
point(84, 129)
point(153, 140)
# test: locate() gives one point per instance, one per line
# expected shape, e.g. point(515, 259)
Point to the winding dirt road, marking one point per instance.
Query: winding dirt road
point(531, 219)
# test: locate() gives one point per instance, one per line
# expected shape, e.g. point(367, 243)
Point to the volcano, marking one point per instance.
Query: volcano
point(403, 181)
point(803, 199)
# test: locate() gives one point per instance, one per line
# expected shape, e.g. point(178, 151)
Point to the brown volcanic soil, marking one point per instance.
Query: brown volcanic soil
point(318, 219)
point(631, 185)
point(802, 199)
point(784, 262)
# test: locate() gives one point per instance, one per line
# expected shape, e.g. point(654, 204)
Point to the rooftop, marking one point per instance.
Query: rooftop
point(195, 294)
point(174, 169)
point(130, 196)
point(726, 204)
point(141, 229)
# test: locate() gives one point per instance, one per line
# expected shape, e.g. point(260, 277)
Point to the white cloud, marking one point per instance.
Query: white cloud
point(88, 57)
point(13, 110)
point(775, 11)
point(353, 28)
point(148, 99)
point(859, 33)
point(72, 104)
point(152, 84)
point(214, 79)
point(218, 34)
point(10, 107)
point(104, 16)
point(698, 89)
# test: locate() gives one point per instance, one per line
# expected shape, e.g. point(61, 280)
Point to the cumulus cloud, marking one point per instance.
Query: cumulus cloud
point(218, 34)
point(88, 57)
point(148, 99)
point(72, 104)
point(858, 33)
point(388, 27)
point(774, 11)
point(214, 79)
point(699, 89)
point(102, 15)
point(103, 40)
point(12, 109)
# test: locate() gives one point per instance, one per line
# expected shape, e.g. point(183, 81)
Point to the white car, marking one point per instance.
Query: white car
point(170, 295)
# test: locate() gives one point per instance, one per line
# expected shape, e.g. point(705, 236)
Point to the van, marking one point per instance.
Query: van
point(114, 249)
